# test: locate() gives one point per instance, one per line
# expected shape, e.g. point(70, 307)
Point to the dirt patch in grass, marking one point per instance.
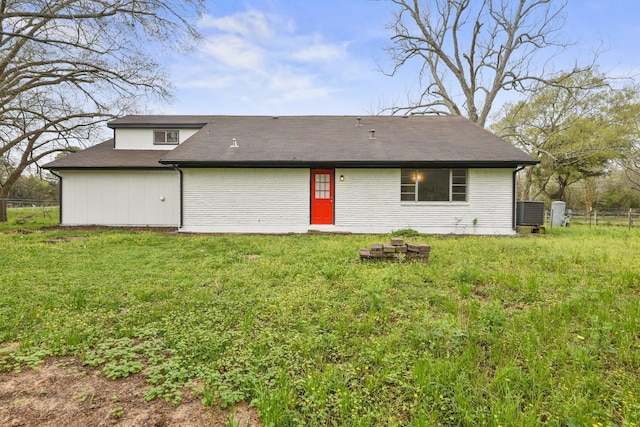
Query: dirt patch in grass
point(106, 228)
point(64, 239)
point(64, 392)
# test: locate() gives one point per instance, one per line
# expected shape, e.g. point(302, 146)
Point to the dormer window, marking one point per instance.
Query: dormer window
point(166, 137)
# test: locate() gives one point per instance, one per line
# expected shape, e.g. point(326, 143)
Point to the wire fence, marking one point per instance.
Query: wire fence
point(24, 210)
point(606, 217)
point(28, 203)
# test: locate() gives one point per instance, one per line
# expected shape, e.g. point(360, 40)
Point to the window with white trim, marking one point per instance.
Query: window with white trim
point(323, 186)
point(166, 137)
point(433, 185)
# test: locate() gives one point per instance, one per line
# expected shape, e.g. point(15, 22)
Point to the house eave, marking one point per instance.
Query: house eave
point(349, 164)
point(91, 168)
point(168, 125)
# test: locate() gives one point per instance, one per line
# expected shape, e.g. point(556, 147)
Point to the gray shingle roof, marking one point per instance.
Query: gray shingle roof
point(339, 140)
point(103, 156)
point(298, 141)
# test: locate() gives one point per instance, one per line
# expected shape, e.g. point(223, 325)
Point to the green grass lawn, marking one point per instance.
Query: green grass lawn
point(543, 329)
point(31, 217)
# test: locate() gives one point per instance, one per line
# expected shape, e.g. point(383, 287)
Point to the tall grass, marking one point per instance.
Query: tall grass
point(537, 330)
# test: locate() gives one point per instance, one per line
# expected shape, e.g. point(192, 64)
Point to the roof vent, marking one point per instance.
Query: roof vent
point(234, 143)
point(372, 134)
point(359, 121)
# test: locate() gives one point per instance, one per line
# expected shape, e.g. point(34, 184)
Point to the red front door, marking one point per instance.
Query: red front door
point(321, 196)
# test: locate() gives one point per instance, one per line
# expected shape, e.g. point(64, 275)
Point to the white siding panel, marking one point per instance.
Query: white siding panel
point(120, 187)
point(109, 193)
point(142, 139)
point(74, 205)
point(121, 198)
point(246, 200)
point(136, 197)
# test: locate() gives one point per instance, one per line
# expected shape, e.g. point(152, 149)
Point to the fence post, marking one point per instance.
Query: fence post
point(630, 219)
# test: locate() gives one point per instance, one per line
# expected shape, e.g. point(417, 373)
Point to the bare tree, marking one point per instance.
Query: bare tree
point(67, 66)
point(469, 51)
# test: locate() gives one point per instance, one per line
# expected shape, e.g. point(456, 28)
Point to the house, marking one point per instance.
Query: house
point(257, 174)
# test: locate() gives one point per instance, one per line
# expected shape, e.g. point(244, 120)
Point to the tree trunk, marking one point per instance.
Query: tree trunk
point(590, 188)
point(3, 204)
point(562, 186)
point(525, 190)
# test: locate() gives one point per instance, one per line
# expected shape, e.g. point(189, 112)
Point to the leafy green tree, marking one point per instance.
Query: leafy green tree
point(36, 188)
point(577, 131)
point(619, 192)
point(67, 66)
point(630, 161)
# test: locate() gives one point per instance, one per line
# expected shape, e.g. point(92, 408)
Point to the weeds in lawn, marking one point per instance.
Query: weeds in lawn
point(493, 331)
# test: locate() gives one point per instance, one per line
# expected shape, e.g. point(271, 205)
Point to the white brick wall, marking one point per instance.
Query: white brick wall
point(367, 201)
point(246, 200)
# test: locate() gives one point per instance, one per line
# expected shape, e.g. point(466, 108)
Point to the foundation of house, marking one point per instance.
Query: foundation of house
point(530, 229)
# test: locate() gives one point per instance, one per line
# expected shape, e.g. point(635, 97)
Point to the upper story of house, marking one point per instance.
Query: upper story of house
point(154, 132)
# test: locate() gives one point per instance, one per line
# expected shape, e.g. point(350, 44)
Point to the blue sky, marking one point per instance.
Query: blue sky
point(292, 57)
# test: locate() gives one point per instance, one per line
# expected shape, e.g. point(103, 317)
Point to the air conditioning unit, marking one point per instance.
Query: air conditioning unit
point(530, 212)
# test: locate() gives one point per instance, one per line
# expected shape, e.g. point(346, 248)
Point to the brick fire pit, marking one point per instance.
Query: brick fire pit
point(396, 251)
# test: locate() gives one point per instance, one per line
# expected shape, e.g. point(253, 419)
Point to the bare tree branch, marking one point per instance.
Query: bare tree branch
point(67, 66)
point(474, 50)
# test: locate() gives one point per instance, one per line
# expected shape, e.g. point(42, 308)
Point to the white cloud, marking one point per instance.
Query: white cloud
point(263, 59)
point(291, 88)
point(249, 24)
point(320, 52)
point(233, 52)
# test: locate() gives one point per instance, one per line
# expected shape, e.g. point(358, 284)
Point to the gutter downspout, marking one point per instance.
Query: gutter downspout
point(60, 195)
point(513, 192)
point(181, 196)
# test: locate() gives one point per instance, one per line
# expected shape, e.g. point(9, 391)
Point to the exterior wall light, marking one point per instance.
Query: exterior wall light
point(341, 177)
